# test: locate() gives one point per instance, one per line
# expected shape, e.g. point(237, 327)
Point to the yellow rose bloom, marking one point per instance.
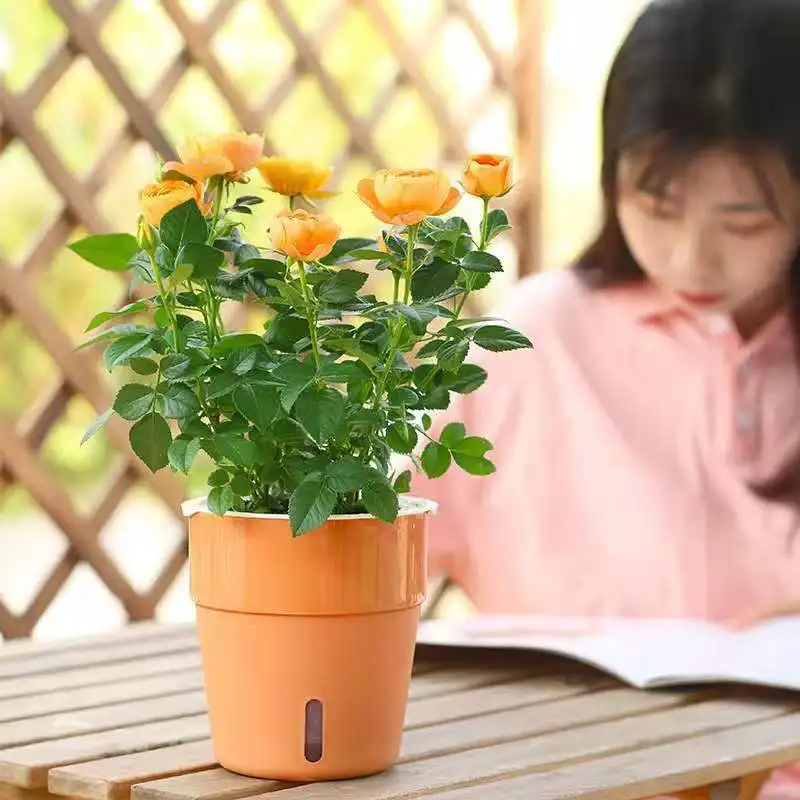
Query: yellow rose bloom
point(406, 197)
point(303, 236)
point(293, 177)
point(155, 199)
point(487, 175)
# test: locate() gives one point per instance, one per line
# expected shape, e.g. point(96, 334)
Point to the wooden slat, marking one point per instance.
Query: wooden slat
point(42, 705)
point(112, 778)
point(27, 766)
point(130, 632)
point(97, 676)
point(103, 718)
point(518, 723)
point(457, 680)
point(493, 771)
point(214, 784)
point(487, 699)
point(99, 781)
point(661, 770)
point(72, 659)
point(528, 79)
point(82, 31)
point(310, 59)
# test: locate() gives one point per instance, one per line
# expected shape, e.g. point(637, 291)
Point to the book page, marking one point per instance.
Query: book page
point(640, 652)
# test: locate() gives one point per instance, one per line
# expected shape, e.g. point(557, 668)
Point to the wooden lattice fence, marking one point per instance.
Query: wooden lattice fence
point(515, 76)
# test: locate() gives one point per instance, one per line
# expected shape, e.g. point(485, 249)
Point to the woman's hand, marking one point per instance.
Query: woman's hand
point(748, 619)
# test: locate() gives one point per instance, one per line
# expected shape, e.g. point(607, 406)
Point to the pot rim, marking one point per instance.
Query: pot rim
point(408, 506)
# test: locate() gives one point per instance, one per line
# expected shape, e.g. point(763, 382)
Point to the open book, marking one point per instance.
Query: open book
point(646, 653)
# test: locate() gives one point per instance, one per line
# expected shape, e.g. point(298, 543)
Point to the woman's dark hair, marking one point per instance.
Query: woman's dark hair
point(692, 74)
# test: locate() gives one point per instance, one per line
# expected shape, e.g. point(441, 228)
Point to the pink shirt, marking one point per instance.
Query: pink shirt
point(627, 443)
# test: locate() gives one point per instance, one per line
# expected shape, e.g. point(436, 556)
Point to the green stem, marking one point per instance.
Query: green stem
point(311, 313)
point(412, 235)
point(481, 248)
point(166, 301)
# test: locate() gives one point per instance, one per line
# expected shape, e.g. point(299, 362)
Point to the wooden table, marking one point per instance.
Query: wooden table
point(123, 716)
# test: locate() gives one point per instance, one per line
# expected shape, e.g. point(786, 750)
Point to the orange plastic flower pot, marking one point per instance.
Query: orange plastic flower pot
point(308, 642)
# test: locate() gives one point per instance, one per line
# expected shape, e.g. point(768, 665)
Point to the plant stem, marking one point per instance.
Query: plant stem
point(311, 313)
point(412, 235)
point(166, 301)
point(481, 248)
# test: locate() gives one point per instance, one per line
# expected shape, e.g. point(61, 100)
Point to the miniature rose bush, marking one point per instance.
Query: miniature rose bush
point(304, 418)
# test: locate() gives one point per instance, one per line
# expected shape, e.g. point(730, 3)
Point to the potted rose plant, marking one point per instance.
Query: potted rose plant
point(307, 556)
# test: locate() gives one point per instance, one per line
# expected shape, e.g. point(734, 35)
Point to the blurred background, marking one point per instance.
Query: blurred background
point(92, 91)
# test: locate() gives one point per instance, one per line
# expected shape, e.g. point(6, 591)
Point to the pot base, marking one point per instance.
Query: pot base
point(307, 698)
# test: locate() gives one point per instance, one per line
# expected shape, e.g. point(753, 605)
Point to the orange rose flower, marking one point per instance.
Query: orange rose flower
point(292, 177)
point(487, 175)
point(303, 236)
point(155, 199)
point(211, 154)
point(406, 197)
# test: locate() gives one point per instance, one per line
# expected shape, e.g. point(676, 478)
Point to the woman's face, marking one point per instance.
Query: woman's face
point(711, 237)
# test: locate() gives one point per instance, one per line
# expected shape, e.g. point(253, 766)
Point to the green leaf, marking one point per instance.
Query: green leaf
point(320, 412)
point(343, 247)
point(257, 403)
point(297, 375)
point(435, 460)
point(431, 280)
point(221, 385)
point(241, 484)
point(182, 453)
point(343, 371)
point(468, 378)
point(452, 353)
point(341, 287)
point(220, 500)
point(144, 366)
point(401, 437)
point(219, 477)
point(402, 483)
point(245, 253)
point(499, 338)
point(348, 474)
point(105, 316)
point(180, 274)
point(233, 341)
point(150, 439)
point(381, 501)
point(179, 402)
point(284, 330)
point(266, 266)
point(238, 450)
point(366, 254)
point(471, 446)
point(430, 348)
point(109, 251)
point(133, 401)
point(311, 503)
point(474, 465)
point(496, 223)
point(97, 424)
point(478, 261)
point(175, 365)
point(418, 316)
point(452, 434)
point(183, 225)
point(240, 362)
point(426, 422)
point(125, 348)
point(205, 260)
